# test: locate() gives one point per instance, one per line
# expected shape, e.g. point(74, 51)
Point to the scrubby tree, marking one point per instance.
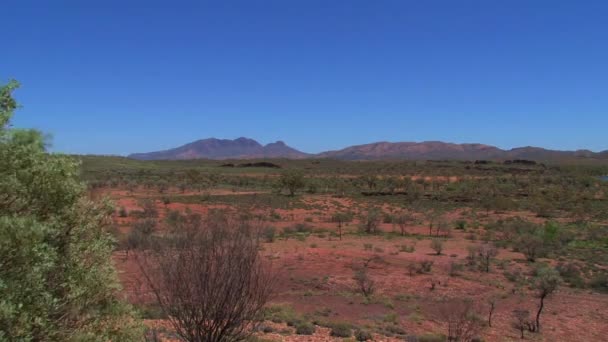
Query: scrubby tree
point(370, 221)
point(341, 218)
point(403, 220)
point(365, 284)
point(546, 282)
point(292, 180)
point(486, 253)
point(57, 281)
point(532, 246)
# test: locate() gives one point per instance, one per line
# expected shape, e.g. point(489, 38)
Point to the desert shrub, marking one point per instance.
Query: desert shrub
point(462, 320)
point(341, 330)
point(365, 284)
point(437, 246)
point(368, 246)
point(146, 226)
point(412, 269)
point(57, 278)
point(431, 338)
point(281, 314)
point(461, 224)
point(222, 259)
point(305, 328)
point(266, 329)
point(456, 269)
point(378, 250)
point(287, 231)
point(425, 266)
point(122, 212)
point(571, 274)
point(370, 221)
point(363, 335)
point(599, 282)
point(269, 234)
point(313, 245)
point(303, 228)
point(407, 248)
point(395, 329)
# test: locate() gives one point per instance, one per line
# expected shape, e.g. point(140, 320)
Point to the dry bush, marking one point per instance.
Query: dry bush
point(522, 321)
point(463, 321)
point(210, 282)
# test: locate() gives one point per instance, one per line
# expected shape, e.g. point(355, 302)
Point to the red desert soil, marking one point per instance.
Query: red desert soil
point(315, 276)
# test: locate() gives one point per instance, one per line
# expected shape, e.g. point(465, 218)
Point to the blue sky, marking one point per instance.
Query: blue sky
point(116, 77)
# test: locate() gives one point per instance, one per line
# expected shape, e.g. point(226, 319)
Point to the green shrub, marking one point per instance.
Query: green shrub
point(340, 330)
point(305, 328)
point(395, 329)
point(363, 335)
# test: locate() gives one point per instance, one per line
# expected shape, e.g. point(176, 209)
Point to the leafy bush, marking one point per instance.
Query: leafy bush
point(363, 335)
point(305, 328)
point(340, 330)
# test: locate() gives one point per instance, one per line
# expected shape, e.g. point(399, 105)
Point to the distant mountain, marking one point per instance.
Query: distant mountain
point(441, 150)
point(212, 148)
point(413, 150)
point(244, 148)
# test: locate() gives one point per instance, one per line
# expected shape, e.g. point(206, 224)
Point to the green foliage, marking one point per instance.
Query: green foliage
point(292, 180)
point(341, 330)
point(305, 328)
point(362, 335)
point(57, 281)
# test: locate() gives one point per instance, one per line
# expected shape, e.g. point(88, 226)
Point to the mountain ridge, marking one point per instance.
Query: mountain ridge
point(246, 148)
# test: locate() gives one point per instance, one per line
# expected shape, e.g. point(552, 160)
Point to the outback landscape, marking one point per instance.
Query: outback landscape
point(389, 250)
point(304, 171)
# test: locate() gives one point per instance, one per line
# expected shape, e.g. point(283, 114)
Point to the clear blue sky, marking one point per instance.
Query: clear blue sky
point(118, 77)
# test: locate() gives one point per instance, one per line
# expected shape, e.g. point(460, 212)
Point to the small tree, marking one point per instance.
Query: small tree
point(547, 281)
point(403, 220)
point(486, 253)
point(437, 246)
point(531, 245)
point(341, 218)
point(365, 283)
point(370, 221)
point(292, 180)
point(492, 301)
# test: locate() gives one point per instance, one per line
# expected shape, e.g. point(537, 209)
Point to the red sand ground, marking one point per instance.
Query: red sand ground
point(316, 275)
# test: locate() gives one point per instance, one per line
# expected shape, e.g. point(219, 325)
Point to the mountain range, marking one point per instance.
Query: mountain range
point(245, 148)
